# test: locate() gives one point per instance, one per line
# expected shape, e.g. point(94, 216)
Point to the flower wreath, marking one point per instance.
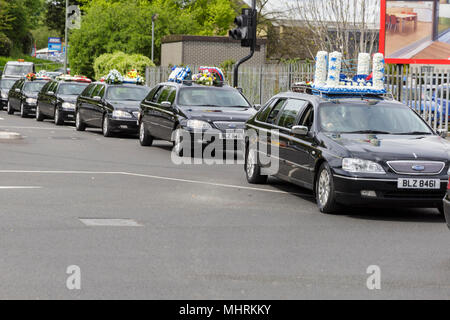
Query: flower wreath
point(31, 76)
point(113, 77)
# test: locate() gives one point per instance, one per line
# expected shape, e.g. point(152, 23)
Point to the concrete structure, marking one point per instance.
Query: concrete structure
point(201, 50)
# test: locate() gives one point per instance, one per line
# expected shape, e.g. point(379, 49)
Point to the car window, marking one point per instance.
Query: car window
point(164, 94)
point(127, 93)
point(264, 111)
point(307, 118)
point(45, 88)
point(290, 112)
point(202, 96)
point(172, 95)
point(53, 87)
point(88, 90)
point(273, 115)
point(101, 93)
point(96, 92)
point(7, 83)
point(151, 94)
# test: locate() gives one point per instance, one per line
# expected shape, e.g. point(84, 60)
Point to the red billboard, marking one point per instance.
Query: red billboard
point(415, 31)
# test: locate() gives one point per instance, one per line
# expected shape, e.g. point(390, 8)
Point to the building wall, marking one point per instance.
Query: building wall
point(197, 52)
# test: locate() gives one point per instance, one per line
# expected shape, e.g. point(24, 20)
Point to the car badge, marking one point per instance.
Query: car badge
point(232, 126)
point(418, 167)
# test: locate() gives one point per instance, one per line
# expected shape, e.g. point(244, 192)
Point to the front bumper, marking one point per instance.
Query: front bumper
point(124, 125)
point(447, 210)
point(3, 103)
point(29, 107)
point(348, 192)
point(67, 115)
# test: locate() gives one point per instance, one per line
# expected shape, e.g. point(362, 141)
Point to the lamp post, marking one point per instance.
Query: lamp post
point(154, 17)
point(65, 38)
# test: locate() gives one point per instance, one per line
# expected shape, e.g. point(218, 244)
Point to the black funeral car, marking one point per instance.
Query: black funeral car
point(22, 96)
point(112, 107)
point(349, 151)
point(447, 205)
point(5, 85)
point(57, 101)
point(192, 107)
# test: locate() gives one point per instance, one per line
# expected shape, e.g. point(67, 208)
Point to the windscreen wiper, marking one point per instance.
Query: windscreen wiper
point(370, 131)
point(414, 133)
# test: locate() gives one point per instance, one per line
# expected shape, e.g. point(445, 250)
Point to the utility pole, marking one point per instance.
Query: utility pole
point(154, 17)
point(246, 32)
point(66, 39)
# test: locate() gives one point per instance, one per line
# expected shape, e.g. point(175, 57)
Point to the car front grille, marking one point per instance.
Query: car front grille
point(229, 125)
point(417, 167)
point(415, 194)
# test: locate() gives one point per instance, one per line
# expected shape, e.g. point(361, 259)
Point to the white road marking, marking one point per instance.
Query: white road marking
point(37, 128)
point(110, 222)
point(18, 187)
point(156, 177)
point(2, 119)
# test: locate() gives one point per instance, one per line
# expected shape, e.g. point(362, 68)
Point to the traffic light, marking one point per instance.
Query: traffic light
point(246, 28)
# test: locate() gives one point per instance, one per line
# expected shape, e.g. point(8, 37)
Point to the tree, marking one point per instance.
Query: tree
point(347, 26)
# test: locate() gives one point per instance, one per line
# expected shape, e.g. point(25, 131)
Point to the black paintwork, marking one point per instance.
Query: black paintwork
point(5, 86)
point(301, 156)
point(92, 111)
point(50, 99)
point(17, 96)
point(447, 207)
point(160, 120)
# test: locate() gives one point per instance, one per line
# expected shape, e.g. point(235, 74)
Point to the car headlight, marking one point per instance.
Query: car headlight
point(361, 166)
point(4, 95)
point(31, 100)
point(198, 125)
point(121, 114)
point(68, 106)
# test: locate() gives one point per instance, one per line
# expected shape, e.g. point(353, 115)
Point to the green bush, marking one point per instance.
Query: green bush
point(122, 62)
point(5, 45)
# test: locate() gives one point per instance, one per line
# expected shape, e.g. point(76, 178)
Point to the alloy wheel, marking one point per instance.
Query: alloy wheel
point(324, 187)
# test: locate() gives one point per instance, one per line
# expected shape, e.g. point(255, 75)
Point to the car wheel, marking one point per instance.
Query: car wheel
point(106, 127)
point(324, 189)
point(9, 108)
point(177, 142)
point(59, 121)
point(79, 124)
point(252, 168)
point(39, 116)
point(144, 136)
point(23, 113)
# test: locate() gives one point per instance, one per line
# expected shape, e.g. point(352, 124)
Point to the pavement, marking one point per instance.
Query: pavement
point(138, 226)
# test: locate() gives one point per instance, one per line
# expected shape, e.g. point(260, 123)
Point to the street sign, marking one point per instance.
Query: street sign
point(54, 44)
point(73, 17)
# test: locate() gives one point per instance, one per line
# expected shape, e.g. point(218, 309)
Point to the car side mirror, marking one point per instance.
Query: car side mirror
point(257, 107)
point(96, 98)
point(51, 93)
point(166, 104)
point(442, 132)
point(17, 90)
point(300, 130)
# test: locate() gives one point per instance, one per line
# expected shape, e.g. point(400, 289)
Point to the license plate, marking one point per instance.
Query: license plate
point(239, 135)
point(419, 184)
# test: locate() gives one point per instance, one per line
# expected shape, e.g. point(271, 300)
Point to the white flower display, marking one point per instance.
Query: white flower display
point(378, 71)
point(334, 69)
point(363, 64)
point(320, 75)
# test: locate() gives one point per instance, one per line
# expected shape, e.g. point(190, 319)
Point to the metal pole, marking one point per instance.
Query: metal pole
point(153, 38)
point(66, 39)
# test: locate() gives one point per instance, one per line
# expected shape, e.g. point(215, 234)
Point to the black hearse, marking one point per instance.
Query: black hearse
point(447, 205)
point(112, 107)
point(5, 85)
point(192, 107)
point(57, 100)
point(23, 96)
point(351, 151)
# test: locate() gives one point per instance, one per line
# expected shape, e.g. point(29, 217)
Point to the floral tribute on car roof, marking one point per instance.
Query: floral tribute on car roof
point(329, 76)
point(207, 76)
point(76, 78)
point(115, 77)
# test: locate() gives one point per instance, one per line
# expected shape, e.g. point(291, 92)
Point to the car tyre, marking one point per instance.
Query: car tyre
point(145, 138)
point(9, 108)
point(39, 116)
point(106, 127)
point(79, 124)
point(324, 190)
point(252, 168)
point(23, 113)
point(59, 120)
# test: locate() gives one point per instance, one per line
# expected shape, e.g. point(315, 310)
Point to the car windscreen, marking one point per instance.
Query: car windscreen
point(73, 89)
point(211, 97)
point(7, 83)
point(17, 70)
point(367, 118)
point(33, 87)
point(136, 93)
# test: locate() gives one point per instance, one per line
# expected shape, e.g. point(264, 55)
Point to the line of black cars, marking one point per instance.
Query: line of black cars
point(350, 151)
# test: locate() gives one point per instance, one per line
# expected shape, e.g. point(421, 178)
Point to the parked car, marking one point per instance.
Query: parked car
point(17, 69)
point(5, 85)
point(447, 205)
point(112, 107)
point(190, 107)
point(57, 100)
point(23, 96)
point(352, 151)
